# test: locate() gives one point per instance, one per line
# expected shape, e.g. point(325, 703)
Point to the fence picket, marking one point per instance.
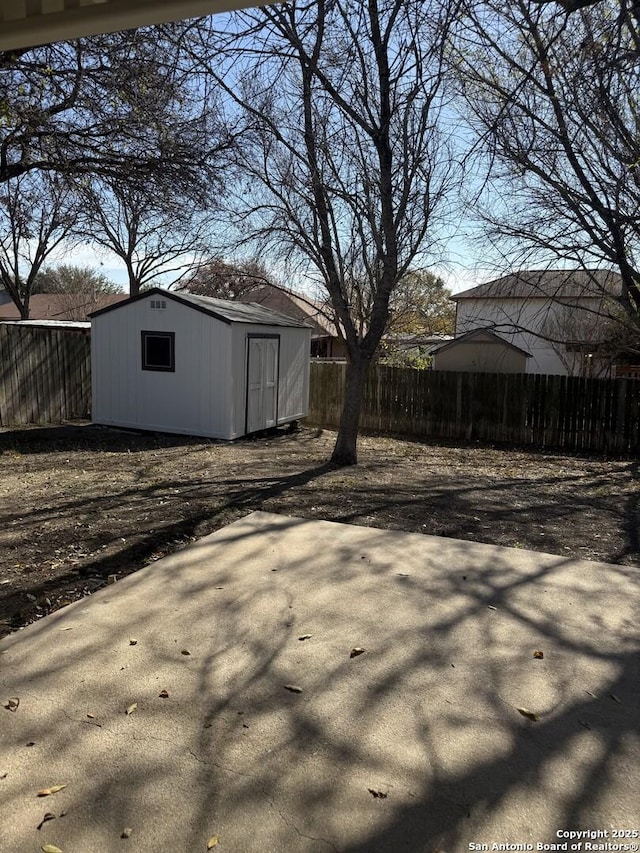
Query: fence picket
point(45, 375)
point(570, 413)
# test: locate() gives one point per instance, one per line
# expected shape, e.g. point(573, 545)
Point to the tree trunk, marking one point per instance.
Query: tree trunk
point(345, 452)
point(134, 284)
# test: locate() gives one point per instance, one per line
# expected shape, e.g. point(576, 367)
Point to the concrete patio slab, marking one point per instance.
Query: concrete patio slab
point(415, 744)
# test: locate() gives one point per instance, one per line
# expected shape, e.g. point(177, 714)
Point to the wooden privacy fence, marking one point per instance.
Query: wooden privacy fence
point(572, 413)
point(45, 374)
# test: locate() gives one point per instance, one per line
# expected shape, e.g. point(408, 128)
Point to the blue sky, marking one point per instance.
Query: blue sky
point(461, 267)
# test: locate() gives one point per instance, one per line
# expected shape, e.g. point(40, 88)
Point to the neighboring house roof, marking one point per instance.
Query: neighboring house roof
point(222, 309)
point(295, 305)
point(547, 284)
point(480, 336)
point(59, 306)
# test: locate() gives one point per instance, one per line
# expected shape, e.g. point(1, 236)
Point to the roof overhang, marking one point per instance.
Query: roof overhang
point(26, 23)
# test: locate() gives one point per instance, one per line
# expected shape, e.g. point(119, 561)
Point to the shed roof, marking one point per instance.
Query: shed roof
point(547, 284)
point(221, 309)
point(481, 336)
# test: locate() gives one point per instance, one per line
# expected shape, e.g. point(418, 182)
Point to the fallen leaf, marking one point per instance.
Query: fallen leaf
point(164, 694)
point(305, 637)
point(185, 652)
point(12, 704)
point(131, 709)
point(615, 698)
point(133, 642)
point(357, 651)
point(212, 842)
point(293, 688)
point(46, 792)
point(91, 716)
point(50, 848)
point(538, 655)
point(126, 832)
point(379, 795)
point(530, 715)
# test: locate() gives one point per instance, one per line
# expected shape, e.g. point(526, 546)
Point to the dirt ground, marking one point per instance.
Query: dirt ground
point(81, 506)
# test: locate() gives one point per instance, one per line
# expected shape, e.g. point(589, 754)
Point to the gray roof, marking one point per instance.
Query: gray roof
point(222, 309)
point(547, 284)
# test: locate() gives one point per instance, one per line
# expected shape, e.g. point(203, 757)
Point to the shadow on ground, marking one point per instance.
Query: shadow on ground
point(83, 504)
point(416, 744)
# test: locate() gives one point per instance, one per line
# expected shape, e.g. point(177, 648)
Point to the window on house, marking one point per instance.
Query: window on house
point(158, 351)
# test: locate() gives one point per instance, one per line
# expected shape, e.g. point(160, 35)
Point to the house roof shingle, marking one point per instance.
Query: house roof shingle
point(546, 284)
point(294, 305)
point(59, 306)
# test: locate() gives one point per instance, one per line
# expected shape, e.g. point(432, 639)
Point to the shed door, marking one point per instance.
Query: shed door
point(262, 383)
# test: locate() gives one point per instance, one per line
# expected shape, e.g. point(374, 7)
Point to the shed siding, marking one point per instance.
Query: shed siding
point(195, 399)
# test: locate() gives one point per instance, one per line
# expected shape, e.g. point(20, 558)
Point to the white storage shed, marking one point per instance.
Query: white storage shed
point(174, 362)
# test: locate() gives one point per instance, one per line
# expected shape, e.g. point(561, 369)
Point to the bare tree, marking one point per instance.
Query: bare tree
point(154, 231)
point(628, 15)
point(346, 166)
point(586, 343)
point(37, 213)
point(128, 103)
point(554, 95)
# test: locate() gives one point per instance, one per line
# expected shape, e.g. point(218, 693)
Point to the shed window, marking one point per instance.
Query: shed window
point(158, 351)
